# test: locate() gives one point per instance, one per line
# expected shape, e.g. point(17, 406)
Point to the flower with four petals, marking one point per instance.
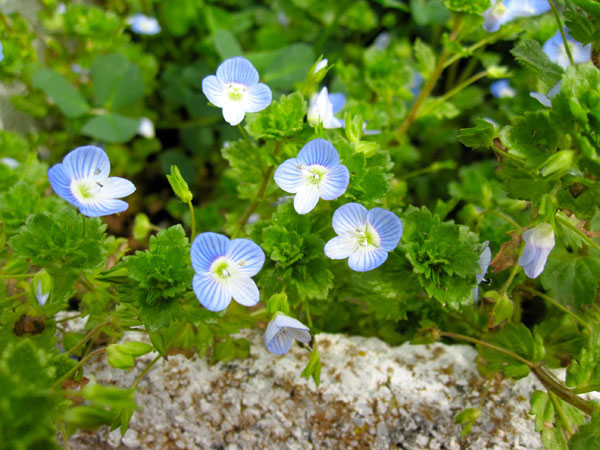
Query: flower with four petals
point(315, 173)
point(82, 180)
point(364, 237)
point(281, 333)
point(142, 24)
point(224, 269)
point(235, 89)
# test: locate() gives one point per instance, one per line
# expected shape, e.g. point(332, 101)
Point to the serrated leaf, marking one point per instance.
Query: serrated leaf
point(530, 54)
point(480, 136)
point(425, 57)
point(585, 371)
point(467, 6)
point(67, 97)
point(281, 119)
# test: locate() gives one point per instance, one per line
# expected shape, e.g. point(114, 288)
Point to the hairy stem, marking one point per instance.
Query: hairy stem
point(566, 222)
point(193, 219)
point(78, 366)
point(145, 371)
point(88, 337)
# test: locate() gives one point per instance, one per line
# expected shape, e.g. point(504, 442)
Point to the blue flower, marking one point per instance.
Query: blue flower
point(224, 269)
point(364, 237)
point(546, 100)
point(485, 258)
point(502, 12)
point(416, 83)
point(556, 51)
point(82, 180)
point(323, 107)
point(142, 24)
point(315, 172)
point(281, 332)
point(1, 52)
point(539, 242)
point(236, 89)
point(502, 89)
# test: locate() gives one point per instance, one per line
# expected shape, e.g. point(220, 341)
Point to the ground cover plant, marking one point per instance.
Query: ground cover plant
point(412, 170)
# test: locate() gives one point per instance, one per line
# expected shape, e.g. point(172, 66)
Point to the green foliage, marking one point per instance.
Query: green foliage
point(588, 435)
point(467, 6)
point(529, 53)
point(67, 97)
point(64, 238)
point(159, 276)
point(117, 82)
point(480, 136)
point(585, 371)
point(281, 119)
point(443, 255)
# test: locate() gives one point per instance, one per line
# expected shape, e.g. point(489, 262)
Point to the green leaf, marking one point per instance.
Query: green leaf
point(529, 53)
point(572, 278)
point(427, 12)
point(585, 371)
point(503, 309)
point(579, 195)
point(425, 58)
point(588, 436)
point(562, 340)
point(480, 136)
point(543, 409)
point(517, 339)
point(230, 349)
point(313, 368)
point(282, 118)
point(67, 97)
point(226, 44)
point(117, 82)
point(467, 6)
point(289, 65)
point(61, 238)
point(111, 127)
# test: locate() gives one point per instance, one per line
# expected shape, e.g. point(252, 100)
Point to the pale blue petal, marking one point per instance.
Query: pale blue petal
point(348, 217)
point(233, 113)
point(214, 90)
point(502, 89)
point(103, 207)
point(306, 198)
point(491, 23)
point(142, 24)
point(276, 342)
point(243, 290)
point(416, 83)
point(365, 259)
point(87, 162)
point(237, 70)
point(475, 294)
point(248, 255)
point(206, 248)
point(257, 98)
point(338, 101)
point(536, 258)
point(388, 227)
point(543, 99)
point(281, 320)
point(554, 49)
point(335, 183)
point(340, 247)
point(61, 183)
point(485, 258)
point(211, 294)
point(529, 252)
point(555, 90)
point(288, 176)
point(319, 151)
point(115, 187)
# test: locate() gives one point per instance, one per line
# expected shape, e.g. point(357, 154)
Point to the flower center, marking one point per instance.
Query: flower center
point(236, 91)
point(86, 190)
point(366, 236)
point(499, 9)
point(314, 174)
point(220, 269)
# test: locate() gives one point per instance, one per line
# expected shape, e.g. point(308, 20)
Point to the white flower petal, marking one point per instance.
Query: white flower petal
point(367, 258)
point(248, 255)
point(348, 217)
point(237, 70)
point(288, 176)
point(306, 198)
point(233, 113)
point(213, 295)
point(335, 183)
point(257, 98)
point(87, 162)
point(340, 247)
point(215, 91)
point(115, 187)
point(243, 290)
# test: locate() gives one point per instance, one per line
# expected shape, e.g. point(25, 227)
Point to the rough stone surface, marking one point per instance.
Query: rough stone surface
point(371, 396)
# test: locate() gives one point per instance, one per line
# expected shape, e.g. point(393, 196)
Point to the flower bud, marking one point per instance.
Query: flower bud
point(180, 187)
point(42, 285)
point(558, 163)
point(354, 127)
point(539, 242)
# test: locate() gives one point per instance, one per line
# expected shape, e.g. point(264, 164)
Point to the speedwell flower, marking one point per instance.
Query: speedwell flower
point(323, 107)
point(236, 89)
point(82, 180)
point(546, 100)
point(281, 332)
point(557, 52)
point(364, 237)
point(142, 24)
point(502, 12)
point(224, 269)
point(539, 242)
point(315, 172)
point(502, 89)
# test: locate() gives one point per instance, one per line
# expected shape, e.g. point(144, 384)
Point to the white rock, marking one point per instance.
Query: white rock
point(371, 395)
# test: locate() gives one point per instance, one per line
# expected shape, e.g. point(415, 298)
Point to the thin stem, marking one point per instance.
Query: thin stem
point(561, 414)
point(586, 389)
point(88, 337)
point(254, 203)
point(193, 219)
point(63, 433)
point(66, 319)
point(455, 91)
point(145, 371)
point(18, 275)
point(514, 272)
point(78, 366)
point(430, 83)
point(509, 219)
point(556, 304)
point(307, 311)
point(545, 378)
point(487, 40)
point(83, 227)
point(581, 234)
point(486, 390)
point(562, 31)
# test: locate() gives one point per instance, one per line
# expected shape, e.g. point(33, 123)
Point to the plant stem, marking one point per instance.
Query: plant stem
point(514, 272)
point(193, 219)
point(88, 337)
point(487, 40)
point(583, 236)
point(562, 31)
point(455, 91)
point(509, 219)
point(145, 371)
point(557, 304)
point(63, 433)
point(308, 316)
point(430, 83)
point(545, 378)
point(254, 203)
point(66, 319)
point(561, 414)
point(78, 366)
point(18, 275)
point(586, 389)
